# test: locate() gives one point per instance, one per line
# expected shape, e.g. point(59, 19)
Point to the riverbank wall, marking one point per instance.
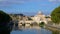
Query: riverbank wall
point(50, 27)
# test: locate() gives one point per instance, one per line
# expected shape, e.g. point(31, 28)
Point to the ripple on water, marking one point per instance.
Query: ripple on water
point(32, 30)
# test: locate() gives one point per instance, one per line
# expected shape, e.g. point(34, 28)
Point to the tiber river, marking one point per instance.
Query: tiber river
point(33, 30)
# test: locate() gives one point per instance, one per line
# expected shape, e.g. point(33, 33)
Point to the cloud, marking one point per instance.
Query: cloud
point(54, 0)
point(2, 0)
point(10, 2)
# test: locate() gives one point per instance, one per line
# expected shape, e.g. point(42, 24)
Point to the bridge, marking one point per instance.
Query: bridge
point(29, 23)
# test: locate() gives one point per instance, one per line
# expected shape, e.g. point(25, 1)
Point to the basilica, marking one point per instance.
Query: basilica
point(38, 18)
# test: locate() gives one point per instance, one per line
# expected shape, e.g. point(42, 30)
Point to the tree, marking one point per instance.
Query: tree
point(41, 24)
point(4, 23)
point(55, 15)
point(4, 17)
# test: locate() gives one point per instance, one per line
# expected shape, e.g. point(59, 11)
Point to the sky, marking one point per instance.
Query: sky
point(28, 7)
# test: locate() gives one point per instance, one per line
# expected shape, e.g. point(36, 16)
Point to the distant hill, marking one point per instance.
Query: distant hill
point(17, 14)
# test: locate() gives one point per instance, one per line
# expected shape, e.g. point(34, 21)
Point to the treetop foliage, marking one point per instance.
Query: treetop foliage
point(4, 17)
point(55, 15)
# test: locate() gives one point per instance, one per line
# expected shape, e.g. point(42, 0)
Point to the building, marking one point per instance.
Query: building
point(38, 18)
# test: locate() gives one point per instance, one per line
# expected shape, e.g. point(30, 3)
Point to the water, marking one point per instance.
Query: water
point(33, 30)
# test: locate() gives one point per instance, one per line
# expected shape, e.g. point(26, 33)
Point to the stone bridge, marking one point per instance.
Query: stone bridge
point(27, 23)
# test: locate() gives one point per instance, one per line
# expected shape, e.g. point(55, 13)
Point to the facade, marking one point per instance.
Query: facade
point(40, 17)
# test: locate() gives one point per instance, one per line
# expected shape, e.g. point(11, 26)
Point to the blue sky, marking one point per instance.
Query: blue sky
point(28, 7)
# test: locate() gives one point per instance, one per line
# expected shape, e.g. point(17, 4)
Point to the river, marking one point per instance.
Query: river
point(33, 30)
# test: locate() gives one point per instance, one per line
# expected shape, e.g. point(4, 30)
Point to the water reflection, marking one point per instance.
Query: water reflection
point(55, 32)
point(33, 30)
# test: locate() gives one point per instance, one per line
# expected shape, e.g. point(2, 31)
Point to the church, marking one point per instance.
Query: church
point(38, 18)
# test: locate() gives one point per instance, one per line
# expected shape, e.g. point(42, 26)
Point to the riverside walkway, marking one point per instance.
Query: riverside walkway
point(52, 27)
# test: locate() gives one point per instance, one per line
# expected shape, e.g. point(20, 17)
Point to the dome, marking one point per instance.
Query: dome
point(40, 12)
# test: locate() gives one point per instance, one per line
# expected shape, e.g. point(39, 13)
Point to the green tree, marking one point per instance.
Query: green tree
point(4, 17)
point(55, 15)
point(41, 24)
point(4, 23)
